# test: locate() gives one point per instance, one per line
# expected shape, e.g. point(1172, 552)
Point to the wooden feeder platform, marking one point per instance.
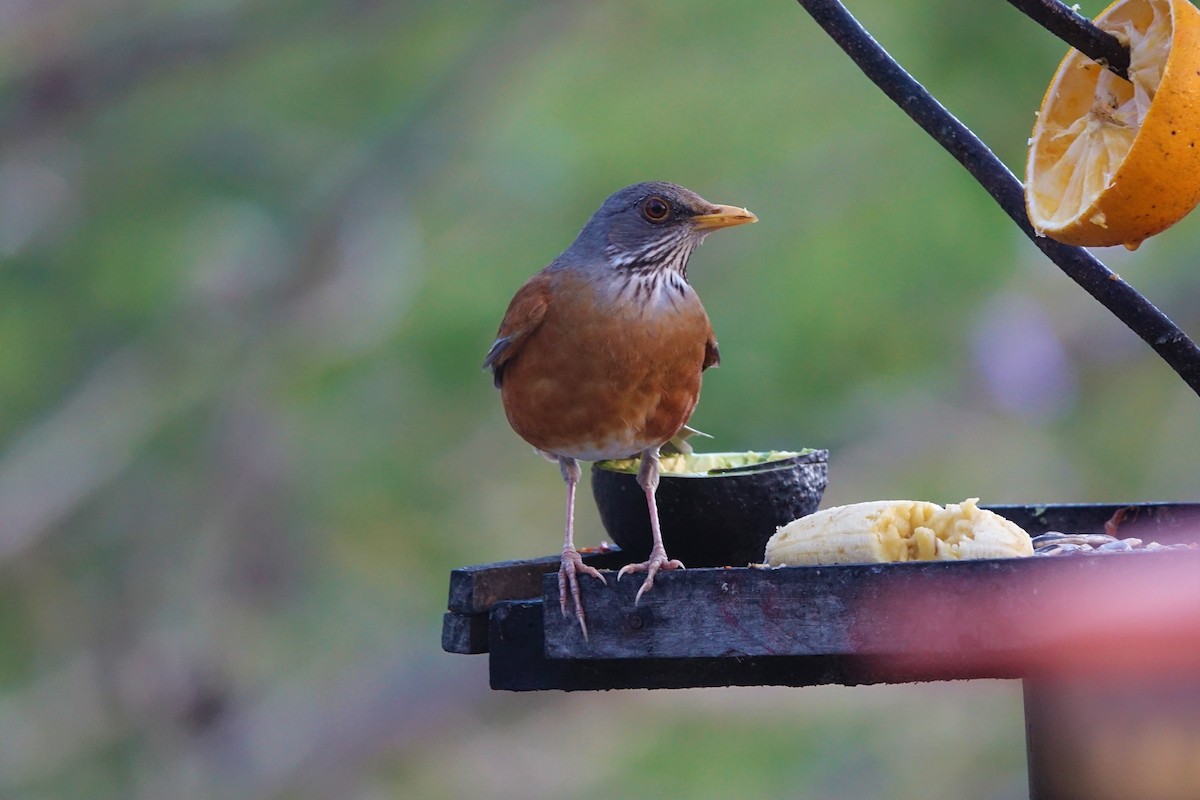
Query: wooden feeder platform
point(1053, 621)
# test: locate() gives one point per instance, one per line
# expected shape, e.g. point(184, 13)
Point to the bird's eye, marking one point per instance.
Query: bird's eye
point(655, 209)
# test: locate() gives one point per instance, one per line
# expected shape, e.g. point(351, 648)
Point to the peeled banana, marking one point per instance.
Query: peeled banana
point(897, 530)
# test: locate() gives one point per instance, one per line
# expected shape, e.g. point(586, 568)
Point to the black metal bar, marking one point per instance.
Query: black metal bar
point(1079, 32)
point(1126, 303)
point(1165, 523)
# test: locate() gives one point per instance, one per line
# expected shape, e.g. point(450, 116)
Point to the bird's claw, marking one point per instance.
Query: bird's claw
point(572, 564)
point(651, 566)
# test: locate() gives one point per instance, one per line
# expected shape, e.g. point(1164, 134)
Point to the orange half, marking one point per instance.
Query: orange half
point(1114, 161)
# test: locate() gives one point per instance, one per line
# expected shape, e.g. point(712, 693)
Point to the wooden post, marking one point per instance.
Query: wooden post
point(1115, 739)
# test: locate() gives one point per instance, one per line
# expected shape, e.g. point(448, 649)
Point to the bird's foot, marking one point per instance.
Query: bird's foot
point(572, 565)
point(658, 560)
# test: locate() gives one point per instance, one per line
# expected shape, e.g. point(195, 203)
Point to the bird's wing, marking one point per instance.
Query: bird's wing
point(712, 356)
point(525, 313)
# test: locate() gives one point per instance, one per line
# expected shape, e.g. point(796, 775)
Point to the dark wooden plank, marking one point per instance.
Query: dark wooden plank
point(518, 663)
point(466, 634)
point(474, 590)
point(808, 625)
point(968, 614)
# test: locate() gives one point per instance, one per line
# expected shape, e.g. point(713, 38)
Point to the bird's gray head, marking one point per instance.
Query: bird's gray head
point(651, 227)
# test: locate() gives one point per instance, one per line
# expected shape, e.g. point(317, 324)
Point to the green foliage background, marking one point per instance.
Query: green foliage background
point(251, 255)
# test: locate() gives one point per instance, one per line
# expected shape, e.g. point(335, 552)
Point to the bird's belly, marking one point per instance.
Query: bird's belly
point(609, 390)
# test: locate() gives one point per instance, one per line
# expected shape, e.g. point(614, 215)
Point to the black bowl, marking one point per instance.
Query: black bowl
point(711, 517)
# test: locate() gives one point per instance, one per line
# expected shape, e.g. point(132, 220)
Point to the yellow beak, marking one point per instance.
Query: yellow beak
point(723, 217)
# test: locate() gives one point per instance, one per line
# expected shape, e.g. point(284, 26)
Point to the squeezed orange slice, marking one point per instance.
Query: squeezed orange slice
point(1114, 161)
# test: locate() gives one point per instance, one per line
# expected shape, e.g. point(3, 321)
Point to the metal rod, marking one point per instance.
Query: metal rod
point(1079, 32)
point(1125, 302)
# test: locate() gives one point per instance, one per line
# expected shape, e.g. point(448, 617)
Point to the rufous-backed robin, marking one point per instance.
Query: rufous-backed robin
point(600, 354)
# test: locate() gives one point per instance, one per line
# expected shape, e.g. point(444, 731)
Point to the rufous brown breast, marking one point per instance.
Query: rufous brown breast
point(601, 368)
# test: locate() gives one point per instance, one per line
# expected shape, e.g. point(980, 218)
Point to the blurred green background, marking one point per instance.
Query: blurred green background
point(252, 253)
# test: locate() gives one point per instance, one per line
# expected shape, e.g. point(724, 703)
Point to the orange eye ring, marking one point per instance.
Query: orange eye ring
point(655, 209)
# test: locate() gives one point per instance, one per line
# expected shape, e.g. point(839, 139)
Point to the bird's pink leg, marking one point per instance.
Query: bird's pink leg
point(648, 479)
point(572, 562)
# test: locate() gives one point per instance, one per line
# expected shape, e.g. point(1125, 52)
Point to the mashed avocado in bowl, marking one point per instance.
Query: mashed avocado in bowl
point(715, 509)
point(698, 465)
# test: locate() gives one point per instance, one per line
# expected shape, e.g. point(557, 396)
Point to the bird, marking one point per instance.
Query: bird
point(600, 354)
